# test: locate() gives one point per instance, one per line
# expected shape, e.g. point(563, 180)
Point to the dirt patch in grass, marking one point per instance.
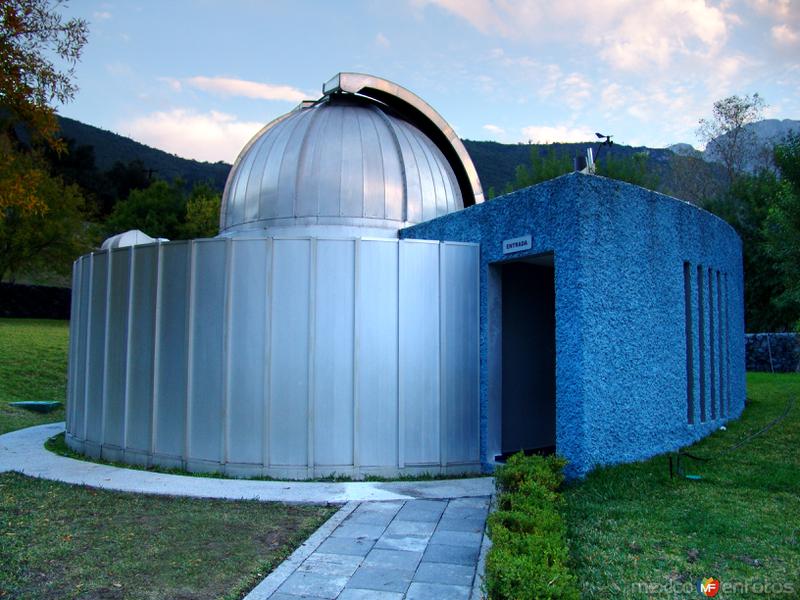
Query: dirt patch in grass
point(636, 533)
point(61, 541)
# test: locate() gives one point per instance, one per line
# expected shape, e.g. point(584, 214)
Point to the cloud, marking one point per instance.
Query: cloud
point(174, 84)
point(102, 15)
point(382, 40)
point(775, 8)
point(560, 133)
point(226, 86)
point(785, 35)
point(211, 136)
point(494, 129)
point(631, 36)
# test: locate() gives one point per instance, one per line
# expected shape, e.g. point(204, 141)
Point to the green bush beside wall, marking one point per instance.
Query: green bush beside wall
point(528, 557)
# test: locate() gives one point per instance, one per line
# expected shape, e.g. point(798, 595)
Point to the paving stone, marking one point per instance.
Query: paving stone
point(281, 596)
point(411, 543)
point(429, 572)
point(348, 529)
point(458, 555)
point(401, 527)
point(464, 512)
point(450, 524)
point(382, 518)
point(357, 594)
point(350, 546)
point(332, 565)
point(422, 510)
point(457, 538)
point(385, 580)
point(437, 591)
point(378, 507)
point(301, 583)
point(392, 559)
point(479, 502)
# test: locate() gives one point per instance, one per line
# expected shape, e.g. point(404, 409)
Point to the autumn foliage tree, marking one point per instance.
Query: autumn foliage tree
point(40, 216)
point(31, 32)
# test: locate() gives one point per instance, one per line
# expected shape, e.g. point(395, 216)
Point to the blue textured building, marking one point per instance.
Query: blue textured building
point(611, 319)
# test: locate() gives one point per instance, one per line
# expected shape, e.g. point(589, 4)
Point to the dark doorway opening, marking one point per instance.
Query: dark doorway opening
point(529, 357)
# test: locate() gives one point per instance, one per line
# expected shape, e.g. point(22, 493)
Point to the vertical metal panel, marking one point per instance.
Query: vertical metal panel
point(171, 366)
point(142, 342)
point(419, 350)
point(253, 166)
point(116, 348)
point(289, 357)
point(351, 192)
point(377, 353)
point(329, 174)
point(96, 355)
point(78, 428)
point(461, 357)
point(411, 170)
point(246, 360)
point(333, 352)
point(273, 203)
point(205, 385)
point(290, 161)
point(307, 200)
point(374, 178)
point(427, 189)
point(393, 176)
point(73, 345)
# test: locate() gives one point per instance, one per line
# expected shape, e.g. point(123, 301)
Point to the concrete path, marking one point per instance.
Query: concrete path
point(24, 451)
point(415, 540)
point(418, 549)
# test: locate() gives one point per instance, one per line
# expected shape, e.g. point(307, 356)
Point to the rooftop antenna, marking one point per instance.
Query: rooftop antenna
point(606, 142)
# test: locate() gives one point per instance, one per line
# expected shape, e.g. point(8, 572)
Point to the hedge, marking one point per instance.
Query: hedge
point(528, 558)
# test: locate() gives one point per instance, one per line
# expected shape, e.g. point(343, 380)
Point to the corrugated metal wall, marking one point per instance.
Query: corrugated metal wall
point(283, 357)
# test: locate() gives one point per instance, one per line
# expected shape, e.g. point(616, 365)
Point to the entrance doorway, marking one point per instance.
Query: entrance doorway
point(528, 357)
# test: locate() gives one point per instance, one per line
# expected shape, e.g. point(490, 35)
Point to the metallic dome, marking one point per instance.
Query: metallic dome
point(344, 162)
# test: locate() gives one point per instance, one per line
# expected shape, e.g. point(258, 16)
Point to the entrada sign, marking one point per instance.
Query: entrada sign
point(517, 244)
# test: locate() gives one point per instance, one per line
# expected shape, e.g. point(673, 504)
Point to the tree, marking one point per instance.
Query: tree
point(726, 136)
point(633, 169)
point(202, 212)
point(781, 229)
point(31, 32)
point(158, 211)
point(47, 237)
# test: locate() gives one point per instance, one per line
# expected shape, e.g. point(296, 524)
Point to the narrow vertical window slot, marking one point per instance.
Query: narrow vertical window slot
point(712, 341)
point(701, 338)
point(723, 399)
point(687, 299)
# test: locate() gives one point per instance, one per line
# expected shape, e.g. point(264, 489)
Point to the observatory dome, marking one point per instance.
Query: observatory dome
point(342, 165)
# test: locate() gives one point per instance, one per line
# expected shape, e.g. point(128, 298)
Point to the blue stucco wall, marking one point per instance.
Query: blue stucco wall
point(621, 360)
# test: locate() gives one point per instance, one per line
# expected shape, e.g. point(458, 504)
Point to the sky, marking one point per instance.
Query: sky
point(199, 78)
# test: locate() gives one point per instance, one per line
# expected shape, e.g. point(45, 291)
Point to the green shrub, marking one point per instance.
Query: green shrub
point(528, 558)
point(519, 469)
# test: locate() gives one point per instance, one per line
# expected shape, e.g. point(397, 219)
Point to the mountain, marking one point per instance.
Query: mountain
point(761, 136)
point(110, 148)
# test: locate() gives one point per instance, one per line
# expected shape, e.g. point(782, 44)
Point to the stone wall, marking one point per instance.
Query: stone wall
point(778, 352)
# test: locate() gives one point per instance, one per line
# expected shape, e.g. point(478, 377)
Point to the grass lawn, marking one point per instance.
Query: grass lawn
point(61, 541)
point(33, 366)
point(630, 526)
